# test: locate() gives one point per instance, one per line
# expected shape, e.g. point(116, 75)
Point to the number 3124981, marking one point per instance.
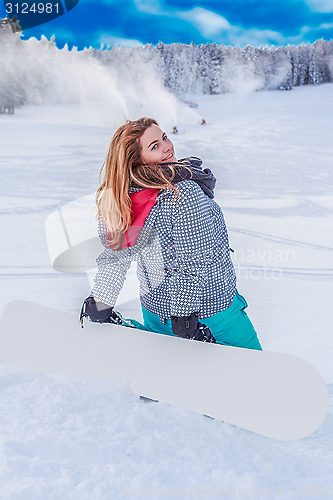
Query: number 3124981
point(35, 8)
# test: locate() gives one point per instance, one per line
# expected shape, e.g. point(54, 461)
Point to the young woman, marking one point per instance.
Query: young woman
point(161, 212)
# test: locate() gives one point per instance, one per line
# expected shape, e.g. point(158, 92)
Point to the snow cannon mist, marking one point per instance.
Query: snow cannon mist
point(115, 89)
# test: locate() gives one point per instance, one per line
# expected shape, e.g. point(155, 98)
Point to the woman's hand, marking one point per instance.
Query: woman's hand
point(97, 311)
point(188, 327)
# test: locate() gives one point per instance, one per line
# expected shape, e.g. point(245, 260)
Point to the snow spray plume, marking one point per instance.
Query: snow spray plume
point(238, 76)
point(41, 73)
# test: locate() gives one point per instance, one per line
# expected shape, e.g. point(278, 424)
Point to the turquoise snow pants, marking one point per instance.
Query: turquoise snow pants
point(230, 327)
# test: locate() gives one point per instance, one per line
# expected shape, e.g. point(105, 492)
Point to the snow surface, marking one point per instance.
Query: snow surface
point(76, 438)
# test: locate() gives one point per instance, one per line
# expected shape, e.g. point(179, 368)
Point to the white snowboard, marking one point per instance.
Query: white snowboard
point(277, 395)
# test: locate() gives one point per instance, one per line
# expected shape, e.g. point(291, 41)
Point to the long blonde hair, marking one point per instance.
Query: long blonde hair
point(123, 166)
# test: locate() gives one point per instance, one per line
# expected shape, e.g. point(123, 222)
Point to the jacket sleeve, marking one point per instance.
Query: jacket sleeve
point(112, 266)
point(193, 232)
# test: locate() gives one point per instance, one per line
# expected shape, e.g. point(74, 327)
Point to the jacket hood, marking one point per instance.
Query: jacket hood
point(144, 199)
point(142, 202)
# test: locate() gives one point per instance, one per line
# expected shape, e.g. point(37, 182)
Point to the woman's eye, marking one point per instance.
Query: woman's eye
point(165, 138)
point(155, 145)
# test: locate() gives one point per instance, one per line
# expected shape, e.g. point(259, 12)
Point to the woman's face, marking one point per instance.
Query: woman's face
point(155, 146)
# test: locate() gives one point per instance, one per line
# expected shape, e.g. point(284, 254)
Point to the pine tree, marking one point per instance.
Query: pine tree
point(11, 83)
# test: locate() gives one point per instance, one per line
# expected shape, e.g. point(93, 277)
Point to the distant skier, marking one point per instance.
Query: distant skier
point(160, 211)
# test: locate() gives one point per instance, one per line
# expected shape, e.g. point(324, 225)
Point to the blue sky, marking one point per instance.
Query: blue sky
point(232, 22)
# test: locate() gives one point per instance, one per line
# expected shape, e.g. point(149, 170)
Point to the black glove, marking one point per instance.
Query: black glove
point(98, 312)
point(188, 327)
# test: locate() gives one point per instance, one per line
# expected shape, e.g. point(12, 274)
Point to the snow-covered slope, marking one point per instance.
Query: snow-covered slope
point(73, 438)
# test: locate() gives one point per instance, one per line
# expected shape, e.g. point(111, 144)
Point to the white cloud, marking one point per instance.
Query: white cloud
point(216, 27)
point(324, 6)
point(207, 22)
point(325, 26)
point(149, 6)
point(109, 39)
point(254, 36)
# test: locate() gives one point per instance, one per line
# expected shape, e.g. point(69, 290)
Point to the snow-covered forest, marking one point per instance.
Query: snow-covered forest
point(37, 72)
point(218, 69)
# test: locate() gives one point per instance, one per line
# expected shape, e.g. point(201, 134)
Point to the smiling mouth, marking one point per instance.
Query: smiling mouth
point(168, 157)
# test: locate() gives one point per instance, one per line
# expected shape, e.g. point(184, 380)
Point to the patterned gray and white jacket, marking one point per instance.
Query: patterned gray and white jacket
point(183, 258)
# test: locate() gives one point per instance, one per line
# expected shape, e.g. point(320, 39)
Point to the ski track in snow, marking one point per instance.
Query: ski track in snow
point(64, 437)
point(272, 237)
